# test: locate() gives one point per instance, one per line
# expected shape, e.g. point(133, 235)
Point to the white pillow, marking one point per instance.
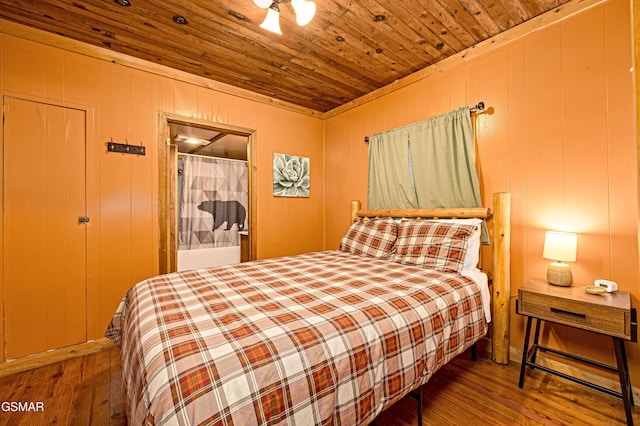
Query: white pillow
point(472, 257)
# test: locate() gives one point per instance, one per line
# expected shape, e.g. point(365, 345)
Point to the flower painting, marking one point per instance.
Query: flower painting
point(290, 175)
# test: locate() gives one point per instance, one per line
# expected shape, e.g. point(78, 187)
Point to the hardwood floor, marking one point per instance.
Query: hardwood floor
point(86, 390)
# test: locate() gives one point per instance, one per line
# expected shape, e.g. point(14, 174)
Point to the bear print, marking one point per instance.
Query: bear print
point(225, 211)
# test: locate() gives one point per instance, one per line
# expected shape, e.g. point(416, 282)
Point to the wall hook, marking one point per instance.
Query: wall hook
point(125, 148)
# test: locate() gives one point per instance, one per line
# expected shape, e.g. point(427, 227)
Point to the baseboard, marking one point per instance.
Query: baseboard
point(55, 355)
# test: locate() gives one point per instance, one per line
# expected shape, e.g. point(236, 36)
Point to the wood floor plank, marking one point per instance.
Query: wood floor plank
point(58, 406)
point(83, 393)
point(117, 417)
point(479, 408)
point(50, 389)
point(100, 383)
point(13, 386)
point(58, 409)
point(554, 395)
point(88, 390)
point(498, 399)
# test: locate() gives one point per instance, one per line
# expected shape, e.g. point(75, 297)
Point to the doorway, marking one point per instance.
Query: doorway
point(188, 141)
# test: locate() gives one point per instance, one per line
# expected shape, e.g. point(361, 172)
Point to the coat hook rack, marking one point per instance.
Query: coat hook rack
point(125, 148)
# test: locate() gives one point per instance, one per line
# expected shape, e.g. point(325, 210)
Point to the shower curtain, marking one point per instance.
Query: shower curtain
point(213, 202)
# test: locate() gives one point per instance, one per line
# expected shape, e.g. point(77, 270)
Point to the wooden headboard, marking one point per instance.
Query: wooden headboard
point(499, 216)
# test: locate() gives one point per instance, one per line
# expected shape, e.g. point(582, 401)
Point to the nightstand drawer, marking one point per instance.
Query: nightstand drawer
point(599, 318)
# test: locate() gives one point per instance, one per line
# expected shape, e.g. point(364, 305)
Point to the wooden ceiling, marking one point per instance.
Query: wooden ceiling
point(349, 49)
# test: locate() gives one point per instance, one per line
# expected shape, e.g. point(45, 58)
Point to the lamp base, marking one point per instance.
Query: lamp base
point(559, 274)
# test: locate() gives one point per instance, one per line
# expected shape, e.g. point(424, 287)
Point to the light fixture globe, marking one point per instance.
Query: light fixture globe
point(305, 11)
point(272, 21)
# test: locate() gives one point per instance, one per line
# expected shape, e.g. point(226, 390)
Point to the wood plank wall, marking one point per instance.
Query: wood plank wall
point(124, 104)
point(559, 134)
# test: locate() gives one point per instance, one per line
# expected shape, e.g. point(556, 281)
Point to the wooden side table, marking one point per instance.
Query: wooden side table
point(609, 314)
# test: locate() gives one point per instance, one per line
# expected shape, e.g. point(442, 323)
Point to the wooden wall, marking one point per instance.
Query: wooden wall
point(124, 104)
point(558, 134)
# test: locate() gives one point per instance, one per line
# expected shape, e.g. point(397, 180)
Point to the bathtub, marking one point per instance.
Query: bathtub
point(204, 258)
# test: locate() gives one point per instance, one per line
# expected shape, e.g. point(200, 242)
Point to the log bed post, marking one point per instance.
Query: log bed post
point(501, 288)
point(355, 207)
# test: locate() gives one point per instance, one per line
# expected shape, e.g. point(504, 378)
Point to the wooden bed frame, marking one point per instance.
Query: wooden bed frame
point(500, 272)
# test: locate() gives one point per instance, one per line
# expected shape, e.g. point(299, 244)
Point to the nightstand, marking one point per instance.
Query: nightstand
point(609, 314)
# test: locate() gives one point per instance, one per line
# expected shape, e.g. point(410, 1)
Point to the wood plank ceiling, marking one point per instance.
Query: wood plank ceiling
point(350, 48)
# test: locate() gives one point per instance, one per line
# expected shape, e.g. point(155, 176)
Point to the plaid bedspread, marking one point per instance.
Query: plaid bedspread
point(325, 338)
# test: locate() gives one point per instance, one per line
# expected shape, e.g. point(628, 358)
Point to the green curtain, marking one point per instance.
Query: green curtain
point(443, 158)
point(431, 163)
point(390, 183)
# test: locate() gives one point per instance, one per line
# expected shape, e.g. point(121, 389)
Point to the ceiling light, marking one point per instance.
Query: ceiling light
point(272, 21)
point(190, 140)
point(305, 11)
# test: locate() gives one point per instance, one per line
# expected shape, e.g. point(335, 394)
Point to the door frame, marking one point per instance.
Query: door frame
point(167, 186)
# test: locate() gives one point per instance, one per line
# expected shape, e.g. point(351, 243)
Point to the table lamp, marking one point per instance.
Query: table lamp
point(560, 247)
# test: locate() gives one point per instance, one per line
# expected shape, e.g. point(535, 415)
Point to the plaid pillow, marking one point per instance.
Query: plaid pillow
point(432, 245)
point(371, 238)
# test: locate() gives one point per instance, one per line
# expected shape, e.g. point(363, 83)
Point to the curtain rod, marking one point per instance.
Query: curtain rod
point(479, 107)
point(184, 154)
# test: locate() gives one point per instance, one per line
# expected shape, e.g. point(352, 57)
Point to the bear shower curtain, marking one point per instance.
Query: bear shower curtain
point(213, 201)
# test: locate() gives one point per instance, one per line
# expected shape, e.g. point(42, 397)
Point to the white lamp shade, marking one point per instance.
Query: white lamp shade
point(560, 246)
point(305, 11)
point(272, 21)
point(262, 3)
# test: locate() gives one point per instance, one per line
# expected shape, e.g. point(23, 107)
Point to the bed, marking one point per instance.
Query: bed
point(331, 337)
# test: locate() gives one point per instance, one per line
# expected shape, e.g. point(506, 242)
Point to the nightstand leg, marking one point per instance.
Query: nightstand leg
point(525, 349)
point(626, 369)
point(625, 381)
point(536, 339)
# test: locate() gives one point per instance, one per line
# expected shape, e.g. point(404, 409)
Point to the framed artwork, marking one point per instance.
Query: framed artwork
point(290, 176)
